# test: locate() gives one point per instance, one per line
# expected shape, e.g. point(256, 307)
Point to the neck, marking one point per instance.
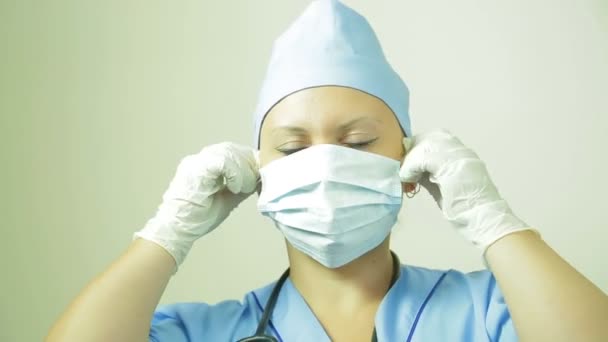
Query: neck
point(363, 281)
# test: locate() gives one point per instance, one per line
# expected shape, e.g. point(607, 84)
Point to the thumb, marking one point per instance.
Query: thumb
point(412, 168)
point(432, 188)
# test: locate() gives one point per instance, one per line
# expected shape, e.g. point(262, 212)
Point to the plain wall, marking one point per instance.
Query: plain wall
point(100, 101)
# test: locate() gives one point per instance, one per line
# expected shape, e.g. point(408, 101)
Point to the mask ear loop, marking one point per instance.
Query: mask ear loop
point(408, 143)
point(413, 193)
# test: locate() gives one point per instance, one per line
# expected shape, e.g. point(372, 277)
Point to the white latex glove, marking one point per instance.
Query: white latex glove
point(460, 184)
point(206, 187)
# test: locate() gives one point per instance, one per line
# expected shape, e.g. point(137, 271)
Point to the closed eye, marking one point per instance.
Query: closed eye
point(288, 151)
point(361, 144)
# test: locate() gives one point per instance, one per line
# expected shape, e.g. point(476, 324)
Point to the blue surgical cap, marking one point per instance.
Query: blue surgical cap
point(331, 45)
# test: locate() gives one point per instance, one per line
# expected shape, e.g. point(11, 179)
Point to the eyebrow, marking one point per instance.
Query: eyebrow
point(342, 127)
point(289, 129)
point(349, 124)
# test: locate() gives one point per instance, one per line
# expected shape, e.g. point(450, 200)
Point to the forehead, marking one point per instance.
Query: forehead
point(326, 106)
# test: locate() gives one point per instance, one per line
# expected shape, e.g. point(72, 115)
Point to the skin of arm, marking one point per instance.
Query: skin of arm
point(119, 303)
point(548, 299)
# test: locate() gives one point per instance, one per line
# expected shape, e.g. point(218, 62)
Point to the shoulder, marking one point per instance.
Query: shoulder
point(474, 298)
point(197, 321)
point(475, 283)
point(478, 287)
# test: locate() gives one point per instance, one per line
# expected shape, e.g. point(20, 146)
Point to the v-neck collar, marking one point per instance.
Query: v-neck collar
point(404, 303)
point(292, 319)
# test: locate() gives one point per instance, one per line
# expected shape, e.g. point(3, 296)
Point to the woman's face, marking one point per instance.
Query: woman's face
point(330, 115)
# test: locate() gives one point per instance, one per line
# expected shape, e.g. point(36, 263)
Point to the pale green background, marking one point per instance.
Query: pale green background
point(100, 100)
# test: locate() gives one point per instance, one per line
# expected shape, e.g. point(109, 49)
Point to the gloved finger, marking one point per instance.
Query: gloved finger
point(246, 167)
point(234, 200)
point(233, 174)
point(221, 167)
point(210, 168)
point(433, 189)
point(189, 182)
point(413, 165)
point(250, 181)
point(429, 153)
point(256, 154)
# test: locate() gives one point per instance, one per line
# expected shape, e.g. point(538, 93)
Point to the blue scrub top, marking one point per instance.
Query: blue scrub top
point(423, 305)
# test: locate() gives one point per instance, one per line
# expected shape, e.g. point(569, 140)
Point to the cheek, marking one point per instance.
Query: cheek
point(390, 149)
point(267, 155)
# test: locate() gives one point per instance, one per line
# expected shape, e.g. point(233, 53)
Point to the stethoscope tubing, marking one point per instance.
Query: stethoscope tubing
point(260, 333)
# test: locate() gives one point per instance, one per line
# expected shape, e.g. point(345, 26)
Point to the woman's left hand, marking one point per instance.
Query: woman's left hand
point(461, 186)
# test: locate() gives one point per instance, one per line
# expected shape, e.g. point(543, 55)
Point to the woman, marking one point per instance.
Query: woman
point(336, 154)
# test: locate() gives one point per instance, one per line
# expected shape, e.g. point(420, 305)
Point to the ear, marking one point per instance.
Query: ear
point(407, 144)
point(256, 156)
point(408, 187)
point(258, 189)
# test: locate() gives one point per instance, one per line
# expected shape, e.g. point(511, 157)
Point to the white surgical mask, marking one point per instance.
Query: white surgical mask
point(331, 202)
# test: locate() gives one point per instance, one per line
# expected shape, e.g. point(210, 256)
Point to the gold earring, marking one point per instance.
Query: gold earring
point(413, 193)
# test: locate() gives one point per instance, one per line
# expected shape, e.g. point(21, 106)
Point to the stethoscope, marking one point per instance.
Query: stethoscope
point(260, 333)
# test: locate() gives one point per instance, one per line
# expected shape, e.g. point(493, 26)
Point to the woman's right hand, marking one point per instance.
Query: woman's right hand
point(205, 189)
point(119, 303)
